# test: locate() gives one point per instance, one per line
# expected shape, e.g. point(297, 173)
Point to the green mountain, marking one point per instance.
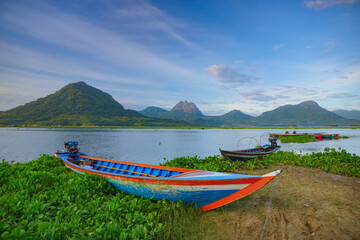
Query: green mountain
point(188, 112)
point(352, 114)
point(77, 104)
point(154, 112)
point(182, 111)
point(234, 118)
point(304, 114)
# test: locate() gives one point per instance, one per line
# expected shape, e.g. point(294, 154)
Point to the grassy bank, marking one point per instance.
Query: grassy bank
point(182, 127)
point(331, 160)
point(43, 199)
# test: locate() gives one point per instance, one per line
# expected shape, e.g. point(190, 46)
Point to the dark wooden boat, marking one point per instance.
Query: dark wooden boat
point(247, 154)
point(251, 153)
point(207, 189)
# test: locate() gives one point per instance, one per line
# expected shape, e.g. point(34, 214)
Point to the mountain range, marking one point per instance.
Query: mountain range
point(187, 111)
point(307, 113)
point(353, 114)
point(78, 104)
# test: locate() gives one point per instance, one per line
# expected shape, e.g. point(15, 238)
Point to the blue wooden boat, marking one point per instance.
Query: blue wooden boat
point(207, 189)
point(251, 153)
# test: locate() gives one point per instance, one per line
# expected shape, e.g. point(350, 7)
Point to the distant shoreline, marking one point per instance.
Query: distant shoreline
point(182, 127)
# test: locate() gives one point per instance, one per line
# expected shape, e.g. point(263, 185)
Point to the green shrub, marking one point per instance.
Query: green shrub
point(296, 139)
point(43, 199)
point(338, 162)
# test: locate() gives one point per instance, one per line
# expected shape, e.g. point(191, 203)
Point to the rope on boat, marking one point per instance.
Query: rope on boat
point(272, 195)
point(263, 136)
point(250, 138)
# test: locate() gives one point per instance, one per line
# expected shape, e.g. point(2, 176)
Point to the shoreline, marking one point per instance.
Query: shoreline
point(181, 127)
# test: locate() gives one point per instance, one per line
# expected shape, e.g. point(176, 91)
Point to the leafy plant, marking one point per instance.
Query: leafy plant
point(296, 139)
point(338, 162)
point(212, 163)
point(42, 199)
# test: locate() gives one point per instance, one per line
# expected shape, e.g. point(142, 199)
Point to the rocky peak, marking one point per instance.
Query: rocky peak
point(309, 104)
point(187, 107)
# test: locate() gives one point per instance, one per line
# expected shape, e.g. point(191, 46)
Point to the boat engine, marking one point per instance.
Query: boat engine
point(273, 142)
point(71, 146)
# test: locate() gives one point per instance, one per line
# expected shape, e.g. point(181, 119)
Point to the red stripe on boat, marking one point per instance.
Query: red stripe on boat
point(170, 182)
point(239, 194)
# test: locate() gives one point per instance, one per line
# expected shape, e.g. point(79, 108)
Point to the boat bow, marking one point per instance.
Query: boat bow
point(243, 192)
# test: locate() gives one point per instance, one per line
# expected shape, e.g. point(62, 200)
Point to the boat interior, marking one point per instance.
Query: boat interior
point(112, 166)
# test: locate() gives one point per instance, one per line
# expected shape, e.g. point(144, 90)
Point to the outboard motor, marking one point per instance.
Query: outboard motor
point(273, 142)
point(71, 146)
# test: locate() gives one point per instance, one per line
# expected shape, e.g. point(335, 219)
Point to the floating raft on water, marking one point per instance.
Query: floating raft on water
point(318, 136)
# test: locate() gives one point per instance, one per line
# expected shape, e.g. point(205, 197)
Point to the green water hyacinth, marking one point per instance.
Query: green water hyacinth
point(42, 199)
point(296, 139)
point(331, 160)
point(212, 163)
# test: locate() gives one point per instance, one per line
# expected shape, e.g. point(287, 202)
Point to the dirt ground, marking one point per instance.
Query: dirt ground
point(307, 204)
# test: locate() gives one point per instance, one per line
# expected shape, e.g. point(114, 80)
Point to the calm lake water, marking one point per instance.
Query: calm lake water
point(153, 145)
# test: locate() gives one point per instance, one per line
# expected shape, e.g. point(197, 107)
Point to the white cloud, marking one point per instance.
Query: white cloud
point(238, 61)
point(230, 75)
point(57, 45)
point(253, 67)
point(154, 23)
point(349, 80)
point(338, 95)
point(321, 4)
point(258, 95)
point(329, 46)
point(77, 35)
point(18, 87)
point(278, 46)
point(31, 61)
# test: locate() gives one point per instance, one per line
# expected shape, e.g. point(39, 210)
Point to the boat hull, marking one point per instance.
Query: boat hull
point(208, 190)
point(243, 155)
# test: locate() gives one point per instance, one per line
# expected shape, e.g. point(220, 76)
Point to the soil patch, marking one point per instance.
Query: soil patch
point(307, 204)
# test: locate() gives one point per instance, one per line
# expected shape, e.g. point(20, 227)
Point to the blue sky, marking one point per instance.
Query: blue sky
point(248, 55)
